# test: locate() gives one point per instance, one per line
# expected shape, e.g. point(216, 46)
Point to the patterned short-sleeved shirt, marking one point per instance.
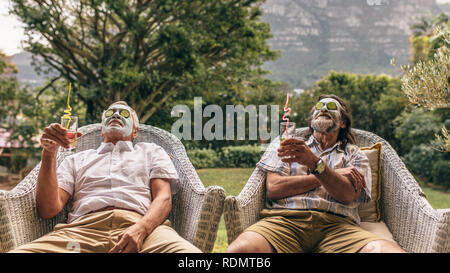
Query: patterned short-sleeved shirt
point(318, 198)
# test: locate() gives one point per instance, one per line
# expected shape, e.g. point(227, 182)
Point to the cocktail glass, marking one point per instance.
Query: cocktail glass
point(71, 124)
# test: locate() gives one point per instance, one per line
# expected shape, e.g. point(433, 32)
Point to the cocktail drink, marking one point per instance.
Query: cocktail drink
point(71, 124)
point(287, 130)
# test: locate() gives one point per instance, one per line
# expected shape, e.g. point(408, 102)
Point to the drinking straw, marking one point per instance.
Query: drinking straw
point(68, 111)
point(287, 111)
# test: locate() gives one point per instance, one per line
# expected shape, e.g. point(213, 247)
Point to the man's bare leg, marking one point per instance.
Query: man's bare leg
point(381, 246)
point(250, 242)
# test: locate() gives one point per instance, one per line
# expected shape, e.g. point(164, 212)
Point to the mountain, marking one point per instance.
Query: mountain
point(358, 36)
point(316, 36)
point(26, 72)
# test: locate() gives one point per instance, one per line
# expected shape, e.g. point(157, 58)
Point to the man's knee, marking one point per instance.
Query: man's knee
point(382, 246)
point(241, 246)
point(250, 242)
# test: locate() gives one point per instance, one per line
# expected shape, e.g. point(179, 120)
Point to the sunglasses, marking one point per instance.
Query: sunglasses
point(123, 112)
point(330, 106)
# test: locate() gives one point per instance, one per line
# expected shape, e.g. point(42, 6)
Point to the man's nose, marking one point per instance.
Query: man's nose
point(116, 114)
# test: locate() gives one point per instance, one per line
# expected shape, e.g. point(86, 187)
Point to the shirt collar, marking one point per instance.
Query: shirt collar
point(123, 146)
point(312, 141)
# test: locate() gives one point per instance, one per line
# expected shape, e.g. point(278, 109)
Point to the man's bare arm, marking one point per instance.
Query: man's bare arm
point(161, 204)
point(338, 186)
point(131, 240)
point(279, 186)
point(50, 199)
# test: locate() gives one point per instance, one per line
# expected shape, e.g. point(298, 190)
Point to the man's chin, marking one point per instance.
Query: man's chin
point(116, 131)
point(324, 127)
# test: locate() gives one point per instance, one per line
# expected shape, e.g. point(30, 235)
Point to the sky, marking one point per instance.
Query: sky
point(11, 28)
point(11, 31)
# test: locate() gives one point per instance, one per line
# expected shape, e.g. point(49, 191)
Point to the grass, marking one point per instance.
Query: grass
point(233, 180)
point(437, 199)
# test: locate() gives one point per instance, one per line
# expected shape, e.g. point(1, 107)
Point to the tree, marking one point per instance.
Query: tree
point(25, 115)
point(9, 87)
point(427, 83)
point(146, 52)
point(423, 40)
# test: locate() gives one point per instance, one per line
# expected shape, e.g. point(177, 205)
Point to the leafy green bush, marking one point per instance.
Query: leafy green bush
point(441, 173)
point(18, 162)
point(420, 160)
point(229, 157)
point(204, 158)
point(241, 156)
point(416, 127)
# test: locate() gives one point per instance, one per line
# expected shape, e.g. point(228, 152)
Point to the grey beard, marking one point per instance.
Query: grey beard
point(324, 126)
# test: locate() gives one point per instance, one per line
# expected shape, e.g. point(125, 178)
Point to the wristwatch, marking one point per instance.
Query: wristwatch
point(320, 167)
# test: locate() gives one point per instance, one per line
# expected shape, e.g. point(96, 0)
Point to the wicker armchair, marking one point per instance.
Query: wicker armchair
point(414, 224)
point(196, 210)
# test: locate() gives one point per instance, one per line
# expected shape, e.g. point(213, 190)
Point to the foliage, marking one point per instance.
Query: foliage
point(18, 162)
point(420, 160)
point(147, 52)
point(416, 127)
point(424, 42)
point(245, 156)
point(426, 83)
point(241, 156)
point(444, 140)
point(6, 67)
point(261, 93)
point(441, 173)
point(420, 46)
point(204, 158)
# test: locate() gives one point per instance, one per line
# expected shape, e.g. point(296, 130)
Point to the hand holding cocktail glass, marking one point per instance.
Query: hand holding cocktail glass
point(64, 134)
point(56, 136)
point(295, 149)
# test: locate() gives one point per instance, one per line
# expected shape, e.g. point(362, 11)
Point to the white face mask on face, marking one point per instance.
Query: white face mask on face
point(325, 120)
point(117, 122)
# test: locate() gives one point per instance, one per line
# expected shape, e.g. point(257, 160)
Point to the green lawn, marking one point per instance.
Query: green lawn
point(437, 199)
point(233, 180)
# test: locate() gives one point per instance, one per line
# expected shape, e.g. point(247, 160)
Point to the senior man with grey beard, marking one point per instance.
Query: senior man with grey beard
point(121, 192)
point(313, 187)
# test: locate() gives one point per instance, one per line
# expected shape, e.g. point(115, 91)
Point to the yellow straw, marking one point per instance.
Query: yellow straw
point(68, 111)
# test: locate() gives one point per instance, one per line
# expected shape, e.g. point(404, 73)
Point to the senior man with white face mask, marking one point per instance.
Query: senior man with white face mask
point(312, 206)
point(121, 193)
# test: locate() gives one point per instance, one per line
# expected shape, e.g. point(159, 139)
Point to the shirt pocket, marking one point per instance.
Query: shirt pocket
point(136, 171)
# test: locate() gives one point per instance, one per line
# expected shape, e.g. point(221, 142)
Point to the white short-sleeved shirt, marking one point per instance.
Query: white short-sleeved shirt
point(114, 175)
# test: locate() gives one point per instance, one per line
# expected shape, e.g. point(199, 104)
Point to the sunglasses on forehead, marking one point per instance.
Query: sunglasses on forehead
point(330, 106)
point(123, 112)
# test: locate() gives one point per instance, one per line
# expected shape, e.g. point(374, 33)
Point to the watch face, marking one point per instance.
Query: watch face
point(320, 167)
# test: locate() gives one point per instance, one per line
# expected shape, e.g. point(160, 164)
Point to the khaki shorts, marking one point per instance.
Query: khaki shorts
point(99, 231)
point(290, 231)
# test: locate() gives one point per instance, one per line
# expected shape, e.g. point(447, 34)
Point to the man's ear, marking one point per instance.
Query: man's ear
point(135, 131)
